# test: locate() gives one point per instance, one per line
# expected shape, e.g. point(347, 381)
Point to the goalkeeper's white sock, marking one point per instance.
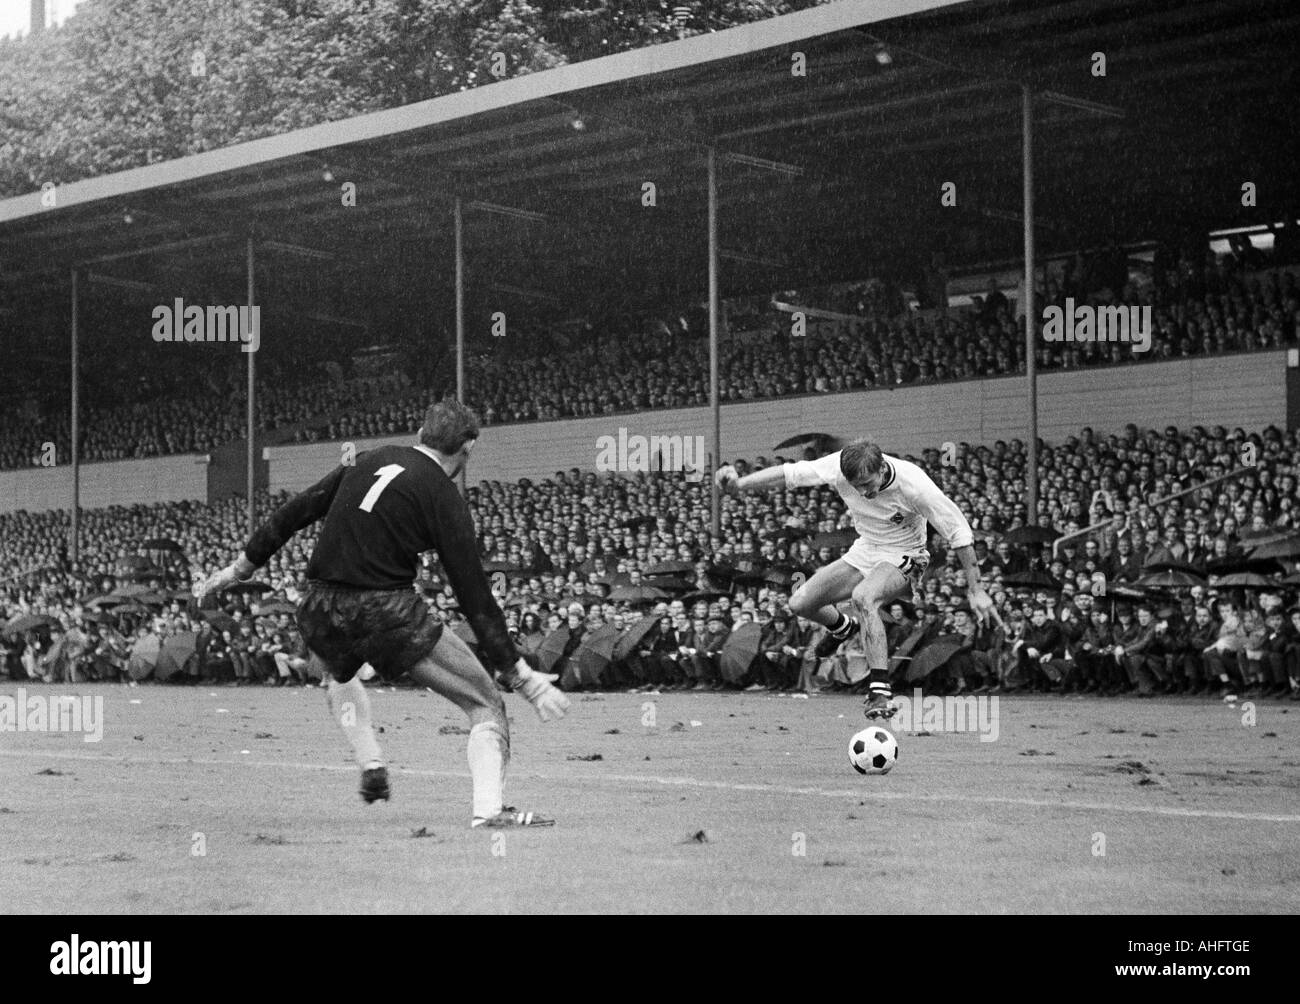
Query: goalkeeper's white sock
point(489, 755)
point(350, 706)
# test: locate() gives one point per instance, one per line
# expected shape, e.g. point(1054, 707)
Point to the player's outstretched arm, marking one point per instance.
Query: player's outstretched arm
point(731, 483)
point(299, 512)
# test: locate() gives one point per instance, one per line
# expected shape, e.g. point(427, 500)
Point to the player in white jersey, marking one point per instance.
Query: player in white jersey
point(890, 501)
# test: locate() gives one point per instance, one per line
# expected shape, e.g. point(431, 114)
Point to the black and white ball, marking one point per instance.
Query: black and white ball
point(873, 751)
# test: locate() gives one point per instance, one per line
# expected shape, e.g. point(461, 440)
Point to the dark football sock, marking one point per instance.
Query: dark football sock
point(880, 683)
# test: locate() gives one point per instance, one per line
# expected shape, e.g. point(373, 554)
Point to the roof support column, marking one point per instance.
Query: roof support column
point(74, 537)
point(1031, 360)
point(252, 398)
point(714, 404)
point(460, 314)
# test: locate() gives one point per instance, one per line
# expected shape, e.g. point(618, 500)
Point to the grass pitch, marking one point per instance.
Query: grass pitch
point(729, 803)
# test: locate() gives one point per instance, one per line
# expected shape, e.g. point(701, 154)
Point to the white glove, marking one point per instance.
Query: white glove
point(538, 690)
point(236, 571)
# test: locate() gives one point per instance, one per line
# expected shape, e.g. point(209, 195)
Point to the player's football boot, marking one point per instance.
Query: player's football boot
point(827, 646)
point(510, 817)
point(374, 784)
point(878, 707)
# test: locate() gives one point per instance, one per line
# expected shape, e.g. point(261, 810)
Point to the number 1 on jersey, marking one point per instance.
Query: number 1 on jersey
point(385, 475)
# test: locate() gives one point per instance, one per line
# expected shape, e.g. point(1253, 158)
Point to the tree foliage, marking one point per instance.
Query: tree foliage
point(127, 82)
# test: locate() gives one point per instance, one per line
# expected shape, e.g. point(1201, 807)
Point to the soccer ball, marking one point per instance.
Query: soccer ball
point(873, 751)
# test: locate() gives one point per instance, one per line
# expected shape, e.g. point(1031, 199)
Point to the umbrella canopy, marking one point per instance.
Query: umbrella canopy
point(134, 561)
point(671, 583)
point(249, 588)
point(152, 599)
point(101, 617)
point(1031, 535)
point(1125, 591)
point(29, 622)
point(739, 651)
point(1283, 547)
point(220, 620)
point(593, 657)
point(780, 575)
point(160, 544)
point(143, 574)
point(1248, 580)
point(670, 568)
point(100, 602)
point(126, 592)
point(614, 579)
point(276, 607)
point(551, 650)
point(707, 596)
point(933, 656)
point(1172, 566)
point(176, 651)
point(144, 656)
point(633, 635)
point(637, 594)
point(1032, 580)
point(1171, 579)
point(834, 539)
point(1243, 563)
point(825, 442)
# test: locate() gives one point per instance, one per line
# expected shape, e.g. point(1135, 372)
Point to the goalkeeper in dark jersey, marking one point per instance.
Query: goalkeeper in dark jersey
point(361, 605)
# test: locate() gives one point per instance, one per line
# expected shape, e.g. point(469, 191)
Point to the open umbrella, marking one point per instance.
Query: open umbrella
point(1172, 566)
point(670, 583)
point(834, 539)
point(1247, 580)
point(144, 656)
point(690, 599)
point(1243, 563)
point(152, 599)
point(934, 655)
point(551, 650)
point(220, 620)
point(134, 561)
point(1170, 579)
point(100, 602)
point(161, 544)
point(614, 579)
point(1032, 580)
point(276, 607)
point(739, 651)
point(128, 591)
point(670, 568)
point(592, 657)
point(29, 622)
point(632, 636)
point(637, 594)
point(176, 652)
point(101, 617)
point(1031, 535)
point(1283, 547)
point(249, 588)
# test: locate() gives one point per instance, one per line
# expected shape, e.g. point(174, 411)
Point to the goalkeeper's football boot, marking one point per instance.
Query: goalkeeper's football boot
point(879, 706)
point(374, 784)
point(509, 817)
point(833, 640)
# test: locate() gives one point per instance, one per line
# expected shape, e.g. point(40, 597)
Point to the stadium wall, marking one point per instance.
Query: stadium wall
point(1246, 390)
point(120, 482)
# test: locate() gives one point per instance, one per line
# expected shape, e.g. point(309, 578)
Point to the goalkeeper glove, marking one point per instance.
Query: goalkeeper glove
point(538, 690)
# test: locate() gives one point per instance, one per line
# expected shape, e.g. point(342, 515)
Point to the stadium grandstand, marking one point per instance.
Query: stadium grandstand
point(503, 247)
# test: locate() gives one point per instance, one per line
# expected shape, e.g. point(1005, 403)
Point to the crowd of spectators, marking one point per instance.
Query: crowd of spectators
point(1208, 306)
point(586, 552)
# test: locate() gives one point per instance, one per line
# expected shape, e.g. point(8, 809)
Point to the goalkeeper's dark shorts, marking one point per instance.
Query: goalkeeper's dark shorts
point(345, 627)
